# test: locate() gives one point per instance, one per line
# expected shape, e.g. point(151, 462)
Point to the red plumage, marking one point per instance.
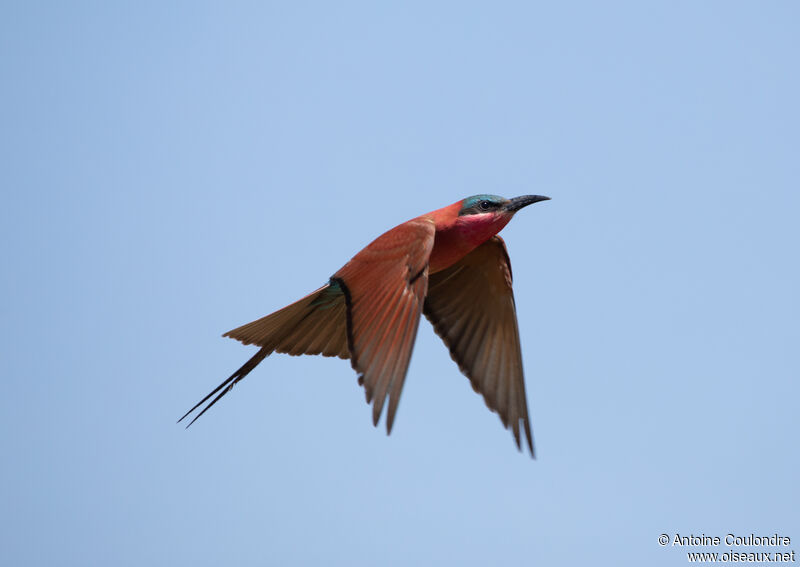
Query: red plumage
point(447, 264)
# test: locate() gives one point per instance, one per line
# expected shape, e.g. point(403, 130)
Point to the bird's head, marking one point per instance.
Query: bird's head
point(492, 204)
point(483, 216)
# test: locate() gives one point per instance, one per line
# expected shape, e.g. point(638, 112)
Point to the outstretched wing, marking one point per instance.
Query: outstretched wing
point(384, 287)
point(315, 324)
point(471, 307)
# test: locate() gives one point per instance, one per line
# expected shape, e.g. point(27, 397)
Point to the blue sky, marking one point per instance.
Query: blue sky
point(170, 172)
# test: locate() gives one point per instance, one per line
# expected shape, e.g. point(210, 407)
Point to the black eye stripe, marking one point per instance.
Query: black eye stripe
point(477, 205)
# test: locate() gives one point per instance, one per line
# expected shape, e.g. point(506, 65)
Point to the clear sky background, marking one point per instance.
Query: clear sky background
point(171, 171)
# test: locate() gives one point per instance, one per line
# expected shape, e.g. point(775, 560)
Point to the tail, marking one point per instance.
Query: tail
point(316, 324)
point(228, 384)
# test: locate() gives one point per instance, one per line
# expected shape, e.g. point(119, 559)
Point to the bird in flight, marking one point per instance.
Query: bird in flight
point(448, 264)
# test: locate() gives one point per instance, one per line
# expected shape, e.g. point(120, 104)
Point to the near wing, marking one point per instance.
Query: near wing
point(384, 287)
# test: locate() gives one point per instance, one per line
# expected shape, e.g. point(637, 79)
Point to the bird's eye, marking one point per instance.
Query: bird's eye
point(485, 205)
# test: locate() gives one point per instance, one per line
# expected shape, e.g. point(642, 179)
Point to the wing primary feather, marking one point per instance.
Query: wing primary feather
point(381, 349)
point(395, 382)
point(387, 372)
point(396, 387)
point(529, 435)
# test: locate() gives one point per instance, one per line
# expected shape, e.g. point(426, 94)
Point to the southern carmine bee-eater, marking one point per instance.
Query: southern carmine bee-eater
point(448, 264)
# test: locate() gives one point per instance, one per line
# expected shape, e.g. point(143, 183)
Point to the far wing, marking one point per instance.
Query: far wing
point(384, 287)
point(471, 307)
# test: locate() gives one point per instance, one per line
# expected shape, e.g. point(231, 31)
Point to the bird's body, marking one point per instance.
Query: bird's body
point(448, 264)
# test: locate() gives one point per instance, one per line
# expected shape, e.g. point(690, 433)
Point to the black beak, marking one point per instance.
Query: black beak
point(517, 203)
